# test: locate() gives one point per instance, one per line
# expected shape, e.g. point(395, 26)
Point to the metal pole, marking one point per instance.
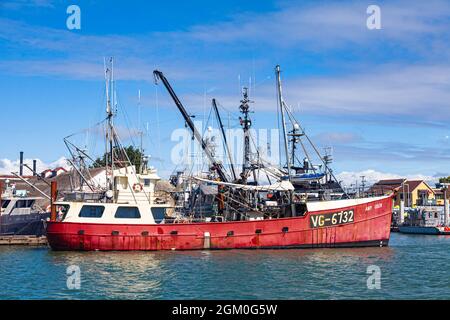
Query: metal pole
point(81, 175)
point(224, 136)
point(34, 187)
point(286, 148)
point(401, 217)
point(363, 184)
point(53, 193)
point(21, 164)
point(36, 174)
point(446, 208)
point(280, 101)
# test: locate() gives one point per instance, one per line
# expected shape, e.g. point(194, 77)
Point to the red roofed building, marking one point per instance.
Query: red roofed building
point(413, 192)
point(50, 173)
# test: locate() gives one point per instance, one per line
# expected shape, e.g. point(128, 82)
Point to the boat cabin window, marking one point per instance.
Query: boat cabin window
point(127, 213)
point(62, 211)
point(122, 182)
point(158, 214)
point(147, 182)
point(300, 209)
point(91, 212)
point(24, 203)
point(5, 203)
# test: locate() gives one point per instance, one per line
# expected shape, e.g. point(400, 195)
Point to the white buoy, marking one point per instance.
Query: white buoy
point(207, 240)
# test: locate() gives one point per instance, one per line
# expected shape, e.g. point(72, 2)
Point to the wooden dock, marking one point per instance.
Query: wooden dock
point(23, 240)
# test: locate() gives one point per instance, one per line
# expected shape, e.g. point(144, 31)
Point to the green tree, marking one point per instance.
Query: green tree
point(134, 154)
point(444, 180)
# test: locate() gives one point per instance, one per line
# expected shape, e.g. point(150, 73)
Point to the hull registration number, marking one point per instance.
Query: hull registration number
point(331, 219)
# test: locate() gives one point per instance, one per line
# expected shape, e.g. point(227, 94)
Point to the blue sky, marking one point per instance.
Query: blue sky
point(380, 98)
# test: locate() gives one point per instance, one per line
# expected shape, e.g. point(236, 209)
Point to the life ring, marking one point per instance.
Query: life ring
point(137, 187)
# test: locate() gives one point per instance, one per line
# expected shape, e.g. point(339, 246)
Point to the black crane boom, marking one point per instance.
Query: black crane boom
point(224, 136)
point(216, 165)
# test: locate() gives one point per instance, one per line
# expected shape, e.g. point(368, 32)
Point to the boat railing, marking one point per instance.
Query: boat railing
point(82, 196)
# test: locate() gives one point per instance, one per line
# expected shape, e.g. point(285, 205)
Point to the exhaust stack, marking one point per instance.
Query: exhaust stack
point(21, 164)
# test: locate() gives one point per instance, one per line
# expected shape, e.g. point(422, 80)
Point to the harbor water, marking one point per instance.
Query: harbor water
point(412, 267)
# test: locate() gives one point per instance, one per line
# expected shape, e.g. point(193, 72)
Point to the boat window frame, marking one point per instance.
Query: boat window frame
point(129, 207)
point(64, 214)
point(25, 203)
point(122, 182)
point(158, 220)
point(91, 217)
point(7, 203)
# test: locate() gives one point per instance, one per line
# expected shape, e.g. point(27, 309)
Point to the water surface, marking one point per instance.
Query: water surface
point(412, 267)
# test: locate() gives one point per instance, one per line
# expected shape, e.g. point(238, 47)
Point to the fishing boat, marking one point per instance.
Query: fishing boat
point(19, 212)
point(128, 214)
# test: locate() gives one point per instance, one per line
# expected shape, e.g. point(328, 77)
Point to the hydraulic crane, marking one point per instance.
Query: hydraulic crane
point(224, 137)
point(216, 165)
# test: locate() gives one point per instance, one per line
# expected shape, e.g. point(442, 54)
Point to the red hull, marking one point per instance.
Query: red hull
point(370, 227)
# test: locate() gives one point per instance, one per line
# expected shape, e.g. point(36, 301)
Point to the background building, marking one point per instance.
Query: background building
point(413, 192)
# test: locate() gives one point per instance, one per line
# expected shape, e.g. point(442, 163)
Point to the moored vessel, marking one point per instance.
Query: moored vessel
point(426, 220)
point(338, 223)
point(433, 230)
point(127, 213)
point(19, 212)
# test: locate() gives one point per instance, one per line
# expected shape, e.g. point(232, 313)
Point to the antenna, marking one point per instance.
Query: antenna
point(239, 84)
point(140, 132)
point(139, 108)
point(363, 184)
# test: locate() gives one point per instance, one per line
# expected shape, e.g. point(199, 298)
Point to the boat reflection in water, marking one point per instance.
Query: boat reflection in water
point(218, 274)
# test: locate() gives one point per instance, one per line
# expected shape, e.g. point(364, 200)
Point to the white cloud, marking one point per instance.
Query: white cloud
point(372, 176)
point(329, 25)
point(385, 90)
point(7, 166)
point(370, 88)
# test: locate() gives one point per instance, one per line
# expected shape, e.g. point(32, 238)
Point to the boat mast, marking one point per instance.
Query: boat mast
point(141, 133)
point(109, 75)
point(282, 105)
point(286, 148)
point(246, 124)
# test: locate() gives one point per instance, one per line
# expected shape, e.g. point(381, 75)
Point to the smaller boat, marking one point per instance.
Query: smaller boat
point(425, 221)
point(438, 230)
point(19, 213)
point(304, 177)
